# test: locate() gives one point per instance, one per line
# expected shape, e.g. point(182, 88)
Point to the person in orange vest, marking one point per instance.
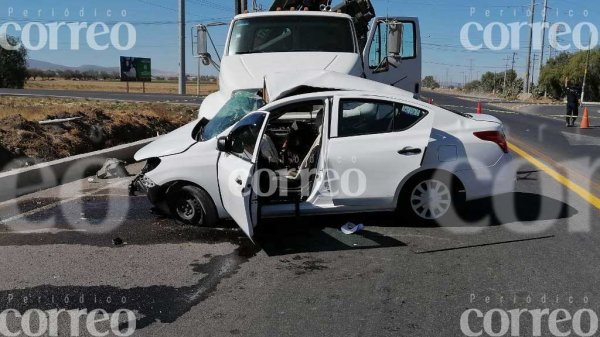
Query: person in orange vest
point(573, 102)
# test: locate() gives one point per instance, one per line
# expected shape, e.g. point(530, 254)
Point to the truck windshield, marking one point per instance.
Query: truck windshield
point(240, 104)
point(292, 34)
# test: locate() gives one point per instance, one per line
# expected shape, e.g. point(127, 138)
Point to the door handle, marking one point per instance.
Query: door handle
point(409, 151)
point(239, 181)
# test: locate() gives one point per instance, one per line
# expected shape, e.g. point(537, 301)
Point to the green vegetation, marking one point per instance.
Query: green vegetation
point(13, 66)
point(571, 66)
point(492, 82)
point(430, 82)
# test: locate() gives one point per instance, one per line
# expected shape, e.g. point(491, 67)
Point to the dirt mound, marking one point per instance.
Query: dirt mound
point(94, 129)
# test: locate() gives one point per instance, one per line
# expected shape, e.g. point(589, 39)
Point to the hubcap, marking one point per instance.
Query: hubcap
point(186, 209)
point(431, 199)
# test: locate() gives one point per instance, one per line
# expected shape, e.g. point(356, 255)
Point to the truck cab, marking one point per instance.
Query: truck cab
point(280, 41)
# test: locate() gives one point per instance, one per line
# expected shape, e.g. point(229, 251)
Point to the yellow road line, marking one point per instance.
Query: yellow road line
point(582, 192)
point(536, 153)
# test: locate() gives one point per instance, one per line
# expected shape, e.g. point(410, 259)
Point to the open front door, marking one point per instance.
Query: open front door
point(236, 167)
point(393, 53)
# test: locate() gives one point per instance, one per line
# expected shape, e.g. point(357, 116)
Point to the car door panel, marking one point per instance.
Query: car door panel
point(366, 170)
point(236, 172)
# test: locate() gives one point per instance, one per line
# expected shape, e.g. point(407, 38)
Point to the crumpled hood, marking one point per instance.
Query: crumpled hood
point(248, 71)
point(279, 85)
point(172, 143)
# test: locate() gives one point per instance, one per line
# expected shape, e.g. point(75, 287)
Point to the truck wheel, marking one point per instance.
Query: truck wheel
point(193, 206)
point(429, 198)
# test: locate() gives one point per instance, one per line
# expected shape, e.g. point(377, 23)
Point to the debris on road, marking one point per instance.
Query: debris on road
point(117, 241)
point(351, 228)
point(113, 168)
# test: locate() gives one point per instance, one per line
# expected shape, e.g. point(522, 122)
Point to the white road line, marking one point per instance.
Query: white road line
point(58, 203)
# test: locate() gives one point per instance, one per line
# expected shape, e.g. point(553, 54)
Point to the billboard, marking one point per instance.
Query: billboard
point(136, 69)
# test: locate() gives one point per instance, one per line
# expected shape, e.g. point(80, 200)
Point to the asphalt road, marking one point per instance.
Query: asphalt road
point(112, 96)
point(534, 249)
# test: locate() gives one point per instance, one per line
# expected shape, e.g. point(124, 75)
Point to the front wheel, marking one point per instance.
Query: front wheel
point(431, 198)
point(193, 206)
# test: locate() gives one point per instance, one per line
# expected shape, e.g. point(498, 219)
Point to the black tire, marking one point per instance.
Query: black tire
point(191, 205)
point(448, 199)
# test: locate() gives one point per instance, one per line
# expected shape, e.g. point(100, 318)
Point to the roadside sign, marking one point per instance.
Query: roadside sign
point(136, 69)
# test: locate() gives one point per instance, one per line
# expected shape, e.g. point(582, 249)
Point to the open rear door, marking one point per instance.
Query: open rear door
point(236, 169)
point(402, 70)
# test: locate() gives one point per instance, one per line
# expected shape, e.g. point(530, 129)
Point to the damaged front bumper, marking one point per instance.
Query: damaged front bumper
point(141, 185)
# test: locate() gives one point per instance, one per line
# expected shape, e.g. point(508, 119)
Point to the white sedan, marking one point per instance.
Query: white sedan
point(325, 143)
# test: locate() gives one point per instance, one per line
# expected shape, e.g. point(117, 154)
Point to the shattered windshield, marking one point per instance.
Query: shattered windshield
point(292, 34)
point(240, 104)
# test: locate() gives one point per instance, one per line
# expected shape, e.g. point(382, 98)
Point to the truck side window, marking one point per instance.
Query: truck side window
point(409, 49)
point(379, 50)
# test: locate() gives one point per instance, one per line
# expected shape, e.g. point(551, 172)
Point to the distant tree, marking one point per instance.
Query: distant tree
point(571, 66)
point(473, 86)
point(13, 66)
point(430, 82)
point(494, 82)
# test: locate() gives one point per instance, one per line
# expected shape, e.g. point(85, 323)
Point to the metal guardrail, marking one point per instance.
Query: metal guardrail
point(19, 182)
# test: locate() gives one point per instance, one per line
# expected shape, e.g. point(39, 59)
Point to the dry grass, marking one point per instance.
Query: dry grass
point(116, 86)
point(40, 108)
point(99, 125)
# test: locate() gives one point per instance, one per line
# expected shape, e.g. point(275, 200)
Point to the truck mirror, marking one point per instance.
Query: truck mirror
point(202, 45)
point(202, 40)
point(395, 38)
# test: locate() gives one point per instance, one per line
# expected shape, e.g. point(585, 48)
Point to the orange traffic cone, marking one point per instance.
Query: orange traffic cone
point(585, 122)
point(479, 108)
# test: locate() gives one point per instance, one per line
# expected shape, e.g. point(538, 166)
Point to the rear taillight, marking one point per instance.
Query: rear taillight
point(497, 137)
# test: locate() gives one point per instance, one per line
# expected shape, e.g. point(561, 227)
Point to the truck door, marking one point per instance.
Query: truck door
point(402, 71)
point(236, 167)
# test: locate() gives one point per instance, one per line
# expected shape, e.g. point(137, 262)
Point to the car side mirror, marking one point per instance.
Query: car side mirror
point(224, 144)
point(395, 38)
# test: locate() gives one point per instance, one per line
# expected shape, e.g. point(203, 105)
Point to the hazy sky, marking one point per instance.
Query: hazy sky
point(156, 25)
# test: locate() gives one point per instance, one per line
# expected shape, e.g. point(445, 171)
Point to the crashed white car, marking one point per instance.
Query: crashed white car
point(325, 143)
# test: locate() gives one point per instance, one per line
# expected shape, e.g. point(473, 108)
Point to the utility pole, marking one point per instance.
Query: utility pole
point(506, 73)
point(587, 65)
point(545, 19)
point(447, 77)
point(528, 73)
point(471, 71)
point(182, 75)
point(535, 58)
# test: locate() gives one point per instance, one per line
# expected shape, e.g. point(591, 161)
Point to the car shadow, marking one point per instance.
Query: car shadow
point(516, 207)
point(284, 236)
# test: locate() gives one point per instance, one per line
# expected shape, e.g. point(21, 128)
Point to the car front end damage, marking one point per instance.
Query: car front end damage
point(141, 184)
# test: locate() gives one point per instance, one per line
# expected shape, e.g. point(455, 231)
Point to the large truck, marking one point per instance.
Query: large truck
point(313, 35)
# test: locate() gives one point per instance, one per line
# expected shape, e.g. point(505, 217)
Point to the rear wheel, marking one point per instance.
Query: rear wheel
point(430, 198)
point(193, 206)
